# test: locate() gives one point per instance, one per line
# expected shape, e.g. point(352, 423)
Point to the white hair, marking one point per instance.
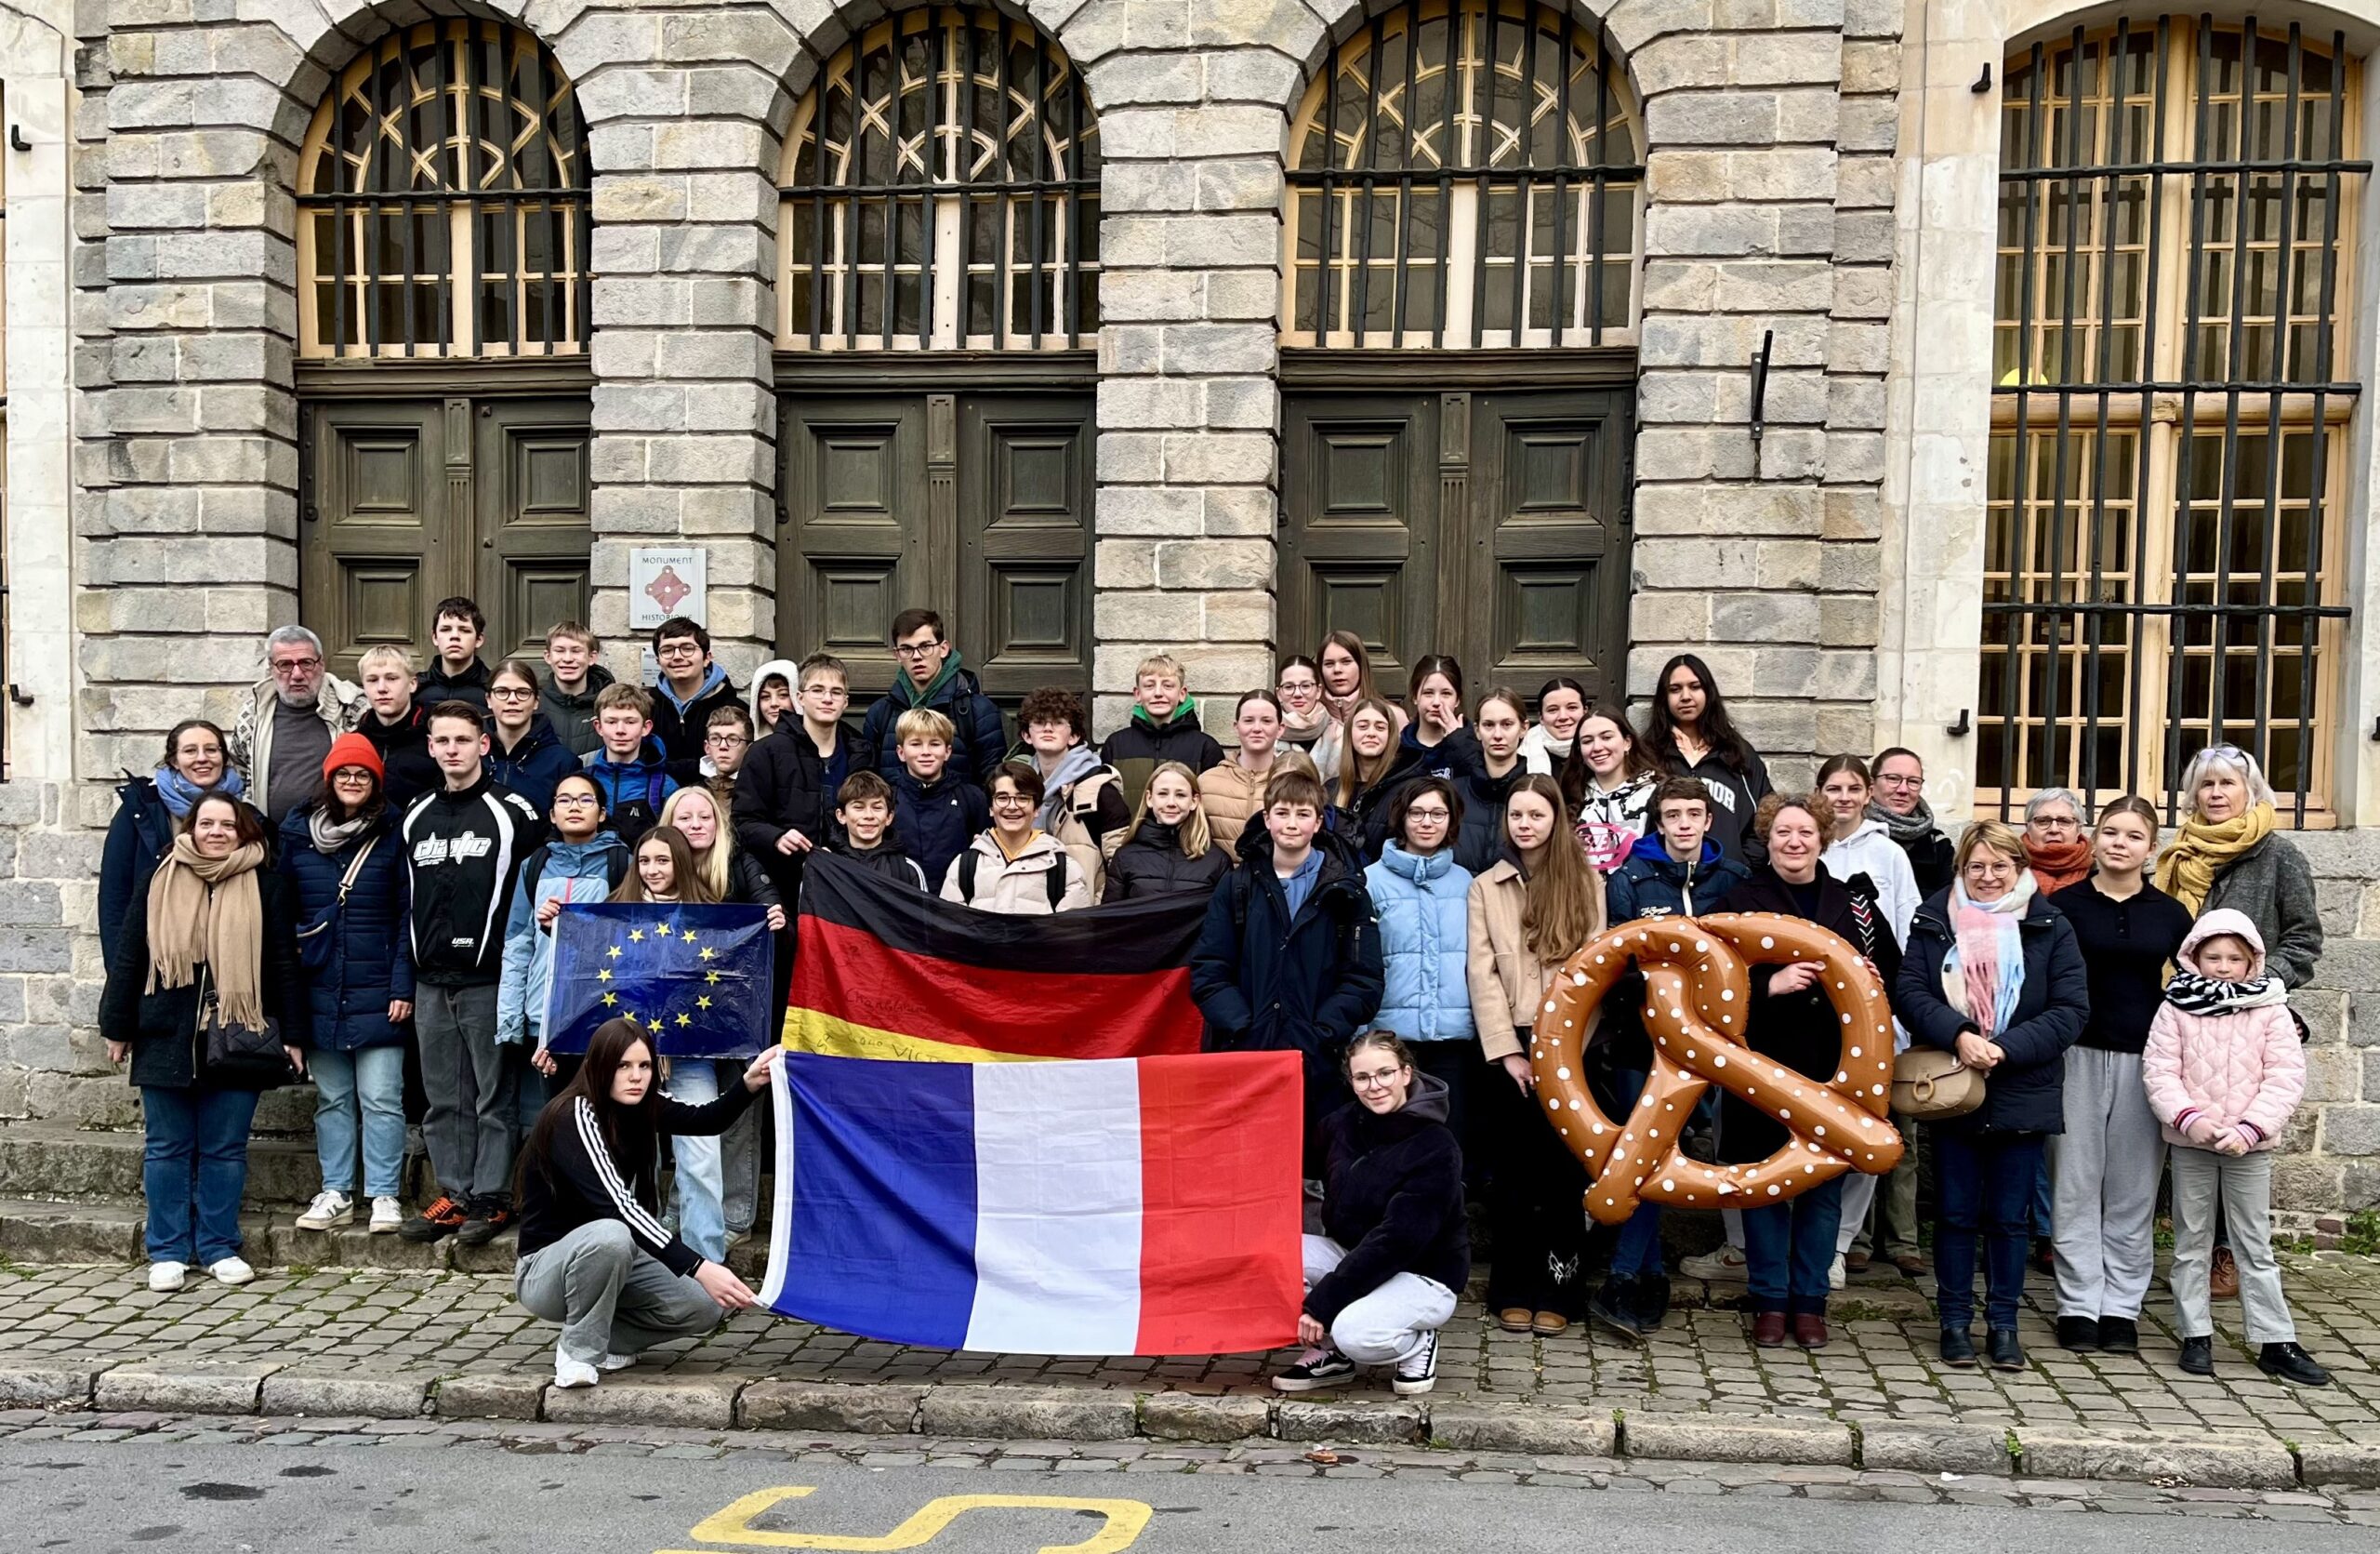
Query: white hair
point(284, 636)
point(2229, 758)
point(2049, 796)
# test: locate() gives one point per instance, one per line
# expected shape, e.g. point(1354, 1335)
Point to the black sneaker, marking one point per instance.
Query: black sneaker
point(1322, 1368)
point(1958, 1348)
point(1652, 1302)
point(2289, 1363)
point(2001, 1347)
point(2119, 1335)
point(2079, 1334)
point(437, 1222)
point(1615, 1306)
point(482, 1227)
point(1417, 1372)
point(2198, 1356)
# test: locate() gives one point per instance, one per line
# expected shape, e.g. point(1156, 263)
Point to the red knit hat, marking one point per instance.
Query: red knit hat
point(353, 749)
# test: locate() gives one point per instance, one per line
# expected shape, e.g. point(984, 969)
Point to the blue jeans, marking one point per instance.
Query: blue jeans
point(1983, 1189)
point(2043, 1206)
point(534, 1091)
point(194, 1169)
point(1637, 1250)
point(702, 1175)
point(1789, 1251)
point(370, 1081)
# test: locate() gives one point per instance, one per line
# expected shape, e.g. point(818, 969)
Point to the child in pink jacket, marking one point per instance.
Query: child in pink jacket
point(2224, 1071)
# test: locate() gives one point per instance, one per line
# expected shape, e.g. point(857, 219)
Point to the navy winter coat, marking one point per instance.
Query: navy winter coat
point(1649, 883)
point(980, 738)
point(162, 1026)
point(142, 832)
point(1268, 983)
point(534, 767)
point(937, 824)
point(1480, 841)
point(2027, 1093)
point(1393, 1197)
point(371, 962)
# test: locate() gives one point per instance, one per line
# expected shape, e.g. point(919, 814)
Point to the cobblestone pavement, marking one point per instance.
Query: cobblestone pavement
point(767, 1452)
point(462, 1347)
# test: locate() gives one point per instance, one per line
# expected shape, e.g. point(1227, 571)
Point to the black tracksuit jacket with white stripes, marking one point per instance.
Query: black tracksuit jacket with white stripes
point(581, 1180)
point(464, 850)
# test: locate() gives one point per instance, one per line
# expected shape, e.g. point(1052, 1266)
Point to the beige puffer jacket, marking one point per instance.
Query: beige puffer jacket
point(1508, 982)
point(1232, 795)
point(1022, 887)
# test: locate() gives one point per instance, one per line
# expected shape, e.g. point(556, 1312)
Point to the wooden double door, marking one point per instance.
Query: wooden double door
point(976, 504)
point(1490, 525)
point(408, 501)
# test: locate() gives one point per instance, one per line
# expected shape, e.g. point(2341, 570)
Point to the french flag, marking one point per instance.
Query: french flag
point(1145, 1206)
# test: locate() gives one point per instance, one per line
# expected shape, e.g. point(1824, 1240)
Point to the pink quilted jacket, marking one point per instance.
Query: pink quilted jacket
point(2206, 1073)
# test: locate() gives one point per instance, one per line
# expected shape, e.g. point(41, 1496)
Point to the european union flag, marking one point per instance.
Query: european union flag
point(696, 979)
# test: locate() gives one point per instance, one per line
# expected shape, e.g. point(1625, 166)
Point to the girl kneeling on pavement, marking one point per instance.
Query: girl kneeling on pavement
point(2224, 1071)
point(1383, 1280)
point(594, 1254)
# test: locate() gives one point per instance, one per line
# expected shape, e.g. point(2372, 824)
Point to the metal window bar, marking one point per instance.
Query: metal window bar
point(2221, 561)
point(444, 201)
point(923, 79)
point(1365, 145)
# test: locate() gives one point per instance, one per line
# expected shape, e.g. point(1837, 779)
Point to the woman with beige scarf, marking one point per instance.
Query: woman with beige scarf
point(214, 927)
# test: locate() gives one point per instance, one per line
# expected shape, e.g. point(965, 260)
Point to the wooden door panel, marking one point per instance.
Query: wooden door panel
point(375, 550)
point(1360, 526)
point(1023, 545)
point(534, 532)
point(1545, 582)
point(854, 521)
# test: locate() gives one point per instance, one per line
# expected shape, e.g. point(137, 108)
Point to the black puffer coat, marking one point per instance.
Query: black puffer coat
point(162, 1027)
point(2027, 1093)
point(1152, 864)
point(1393, 1197)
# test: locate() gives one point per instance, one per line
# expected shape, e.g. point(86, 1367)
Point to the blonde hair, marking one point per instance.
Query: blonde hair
point(1192, 833)
point(386, 653)
point(924, 723)
point(714, 865)
point(2000, 837)
point(1162, 663)
point(1356, 773)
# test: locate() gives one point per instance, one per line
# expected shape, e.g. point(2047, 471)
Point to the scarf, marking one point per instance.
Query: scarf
point(1985, 970)
point(1915, 826)
point(2194, 994)
point(329, 835)
point(2202, 849)
point(179, 792)
point(1302, 728)
point(208, 910)
point(2055, 868)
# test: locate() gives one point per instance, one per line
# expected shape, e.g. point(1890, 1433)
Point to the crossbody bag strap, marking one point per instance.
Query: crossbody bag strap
point(346, 881)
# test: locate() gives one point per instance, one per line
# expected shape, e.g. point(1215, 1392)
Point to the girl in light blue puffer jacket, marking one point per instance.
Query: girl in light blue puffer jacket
point(1421, 896)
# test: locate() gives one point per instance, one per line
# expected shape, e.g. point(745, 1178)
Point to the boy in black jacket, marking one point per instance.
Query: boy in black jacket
point(938, 812)
point(456, 673)
point(863, 829)
point(1164, 728)
point(793, 775)
point(464, 845)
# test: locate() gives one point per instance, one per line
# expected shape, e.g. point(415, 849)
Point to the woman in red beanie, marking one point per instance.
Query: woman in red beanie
point(344, 861)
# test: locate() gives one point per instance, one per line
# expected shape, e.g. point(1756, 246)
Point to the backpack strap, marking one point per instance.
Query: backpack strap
point(1057, 878)
point(533, 868)
point(967, 862)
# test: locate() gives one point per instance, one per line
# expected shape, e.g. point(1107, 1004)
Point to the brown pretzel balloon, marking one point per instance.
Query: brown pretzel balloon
point(1697, 1003)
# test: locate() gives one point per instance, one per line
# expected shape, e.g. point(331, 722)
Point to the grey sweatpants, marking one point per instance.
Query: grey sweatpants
point(1387, 1324)
point(2103, 1170)
point(470, 1083)
point(2242, 1186)
point(610, 1297)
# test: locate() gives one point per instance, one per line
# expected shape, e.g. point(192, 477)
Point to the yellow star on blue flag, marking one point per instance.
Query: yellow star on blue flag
point(696, 980)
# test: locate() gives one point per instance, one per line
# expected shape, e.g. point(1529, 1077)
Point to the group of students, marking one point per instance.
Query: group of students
point(1392, 883)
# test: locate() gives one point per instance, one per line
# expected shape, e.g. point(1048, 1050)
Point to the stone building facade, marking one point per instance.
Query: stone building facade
point(1747, 408)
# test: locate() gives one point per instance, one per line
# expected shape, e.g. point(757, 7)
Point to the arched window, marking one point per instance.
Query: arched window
point(942, 192)
point(2169, 491)
point(1465, 174)
point(442, 198)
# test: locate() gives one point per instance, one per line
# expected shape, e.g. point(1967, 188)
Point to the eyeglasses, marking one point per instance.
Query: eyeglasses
point(683, 648)
point(510, 692)
point(725, 741)
point(1011, 801)
point(910, 652)
point(1374, 1079)
point(827, 693)
point(295, 666)
point(574, 800)
point(352, 773)
point(1417, 813)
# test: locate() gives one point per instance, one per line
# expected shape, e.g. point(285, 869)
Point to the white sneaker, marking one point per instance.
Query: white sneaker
point(1725, 1264)
point(387, 1214)
point(573, 1372)
point(165, 1278)
point(1835, 1276)
point(232, 1270)
point(327, 1212)
point(1417, 1372)
point(615, 1363)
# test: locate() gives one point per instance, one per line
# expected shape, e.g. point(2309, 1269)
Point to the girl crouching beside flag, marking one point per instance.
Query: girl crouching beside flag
point(594, 1254)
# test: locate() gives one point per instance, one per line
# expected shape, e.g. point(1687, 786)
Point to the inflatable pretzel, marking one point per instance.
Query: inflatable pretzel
point(1697, 1002)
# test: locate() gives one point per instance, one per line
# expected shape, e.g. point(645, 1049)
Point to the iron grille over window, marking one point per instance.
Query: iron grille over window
point(2168, 485)
point(442, 201)
point(942, 192)
point(1465, 174)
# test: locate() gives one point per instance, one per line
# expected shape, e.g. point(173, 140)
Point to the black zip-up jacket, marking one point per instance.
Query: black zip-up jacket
point(435, 685)
point(886, 857)
point(1140, 747)
point(782, 787)
point(1480, 841)
point(464, 850)
point(1363, 819)
point(1734, 796)
point(1393, 1197)
point(405, 754)
point(1152, 864)
point(679, 734)
point(581, 1180)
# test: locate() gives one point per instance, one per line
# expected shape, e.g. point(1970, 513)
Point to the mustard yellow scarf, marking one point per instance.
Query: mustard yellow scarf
point(2201, 849)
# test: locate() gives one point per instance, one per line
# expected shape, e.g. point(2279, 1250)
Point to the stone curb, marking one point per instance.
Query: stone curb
point(979, 1412)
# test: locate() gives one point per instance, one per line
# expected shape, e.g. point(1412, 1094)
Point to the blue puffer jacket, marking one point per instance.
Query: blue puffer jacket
point(567, 871)
point(1422, 902)
point(534, 766)
point(370, 961)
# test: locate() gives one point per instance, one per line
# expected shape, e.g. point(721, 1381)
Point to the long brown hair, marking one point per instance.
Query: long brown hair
point(691, 887)
point(1577, 775)
point(1355, 772)
point(630, 1133)
point(1365, 684)
point(1563, 901)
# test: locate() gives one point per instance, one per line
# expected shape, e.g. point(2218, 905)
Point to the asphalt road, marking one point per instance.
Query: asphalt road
point(149, 1495)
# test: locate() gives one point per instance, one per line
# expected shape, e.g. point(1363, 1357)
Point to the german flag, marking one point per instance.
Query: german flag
point(883, 970)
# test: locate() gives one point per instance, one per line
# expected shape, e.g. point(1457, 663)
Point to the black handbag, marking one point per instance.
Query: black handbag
point(240, 1057)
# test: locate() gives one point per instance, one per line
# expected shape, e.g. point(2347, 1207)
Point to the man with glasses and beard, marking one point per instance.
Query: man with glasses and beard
point(287, 724)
